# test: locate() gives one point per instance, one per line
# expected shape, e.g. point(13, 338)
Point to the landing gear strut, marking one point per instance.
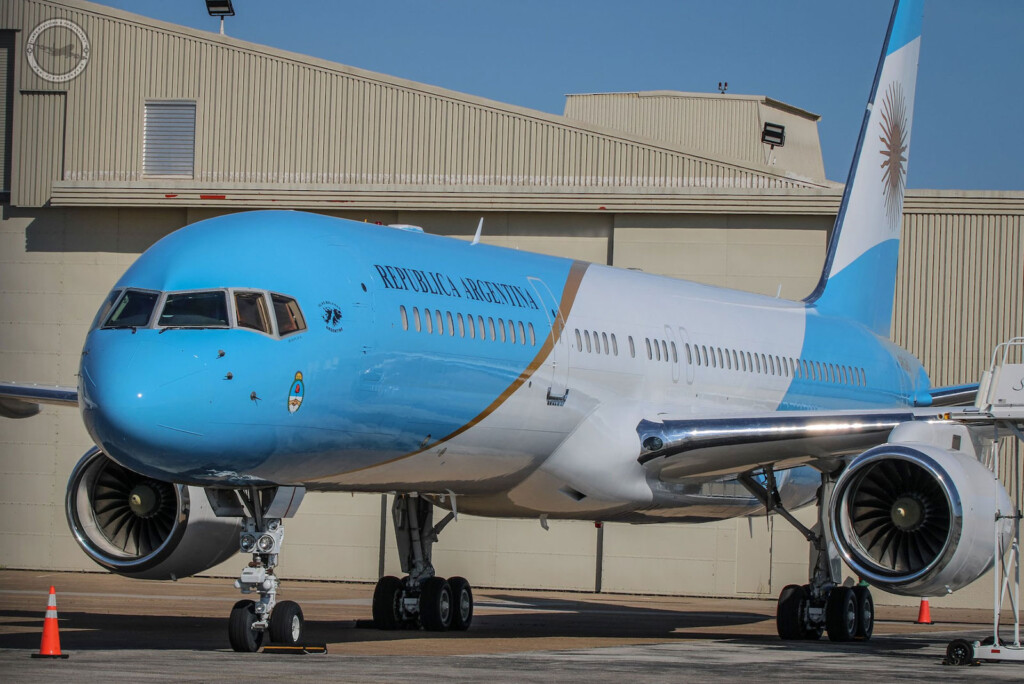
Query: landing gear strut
point(807, 611)
point(421, 599)
point(262, 511)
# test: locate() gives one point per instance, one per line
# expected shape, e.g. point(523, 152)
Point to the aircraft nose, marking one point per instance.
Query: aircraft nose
point(129, 408)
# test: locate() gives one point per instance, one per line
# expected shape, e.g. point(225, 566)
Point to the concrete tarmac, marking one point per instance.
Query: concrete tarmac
point(116, 629)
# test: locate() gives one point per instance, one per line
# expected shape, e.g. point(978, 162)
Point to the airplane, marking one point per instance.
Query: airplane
point(246, 359)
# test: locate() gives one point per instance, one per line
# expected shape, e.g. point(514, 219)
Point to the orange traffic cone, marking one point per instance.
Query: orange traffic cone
point(50, 646)
point(924, 613)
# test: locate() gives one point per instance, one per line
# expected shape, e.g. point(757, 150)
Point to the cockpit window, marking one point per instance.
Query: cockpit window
point(133, 310)
point(251, 311)
point(289, 316)
point(108, 303)
point(195, 310)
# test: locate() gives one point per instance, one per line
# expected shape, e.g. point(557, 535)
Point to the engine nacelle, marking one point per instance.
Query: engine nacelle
point(144, 528)
point(916, 519)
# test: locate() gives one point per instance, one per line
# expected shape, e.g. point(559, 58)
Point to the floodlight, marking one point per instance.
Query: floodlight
point(773, 134)
point(220, 8)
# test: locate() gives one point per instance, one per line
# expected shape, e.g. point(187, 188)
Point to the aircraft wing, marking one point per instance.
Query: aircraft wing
point(679, 449)
point(23, 400)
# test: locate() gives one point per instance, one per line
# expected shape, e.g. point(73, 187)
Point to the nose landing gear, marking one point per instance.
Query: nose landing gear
point(421, 599)
point(262, 512)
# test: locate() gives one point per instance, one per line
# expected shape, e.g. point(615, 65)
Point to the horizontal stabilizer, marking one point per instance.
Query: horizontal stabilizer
point(22, 401)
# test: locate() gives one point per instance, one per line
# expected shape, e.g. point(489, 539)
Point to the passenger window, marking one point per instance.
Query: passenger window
point(533, 336)
point(480, 327)
point(657, 351)
point(728, 360)
point(718, 350)
point(650, 354)
point(604, 341)
point(714, 363)
point(863, 378)
point(428, 319)
point(586, 337)
point(101, 315)
point(522, 333)
point(405, 317)
point(615, 345)
point(632, 347)
point(462, 326)
point(743, 361)
point(675, 356)
point(490, 327)
point(133, 310)
point(195, 310)
point(579, 340)
point(501, 328)
point(689, 356)
point(664, 351)
point(251, 312)
point(416, 319)
point(451, 324)
point(757, 364)
point(472, 328)
point(735, 361)
point(440, 322)
point(512, 332)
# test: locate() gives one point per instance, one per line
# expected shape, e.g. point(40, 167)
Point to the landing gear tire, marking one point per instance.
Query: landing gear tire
point(286, 623)
point(387, 612)
point(436, 605)
point(841, 614)
point(960, 652)
point(788, 620)
point(242, 636)
point(865, 612)
point(462, 602)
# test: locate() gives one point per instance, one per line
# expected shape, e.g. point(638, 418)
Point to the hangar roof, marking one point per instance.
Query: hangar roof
point(162, 114)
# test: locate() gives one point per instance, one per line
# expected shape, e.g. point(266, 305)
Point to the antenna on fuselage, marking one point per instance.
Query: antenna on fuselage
point(479, 229)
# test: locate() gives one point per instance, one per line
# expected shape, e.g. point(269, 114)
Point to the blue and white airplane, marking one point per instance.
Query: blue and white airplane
point(246, 359)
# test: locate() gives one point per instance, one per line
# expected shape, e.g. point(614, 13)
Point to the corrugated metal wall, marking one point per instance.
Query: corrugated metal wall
point(960, 290)
point(38, 148)
point(265, 116)
point(6, 106)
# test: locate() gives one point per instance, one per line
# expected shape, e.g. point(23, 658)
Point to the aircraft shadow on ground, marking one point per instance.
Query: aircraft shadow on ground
point(555, 618)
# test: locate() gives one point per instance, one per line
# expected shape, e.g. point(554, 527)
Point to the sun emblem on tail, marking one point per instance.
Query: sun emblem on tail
point(894, 152)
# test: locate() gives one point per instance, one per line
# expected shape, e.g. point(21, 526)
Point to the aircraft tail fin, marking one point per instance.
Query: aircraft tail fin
point(859, 278)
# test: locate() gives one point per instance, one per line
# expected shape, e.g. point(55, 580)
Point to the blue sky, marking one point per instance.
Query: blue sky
point(819, 55)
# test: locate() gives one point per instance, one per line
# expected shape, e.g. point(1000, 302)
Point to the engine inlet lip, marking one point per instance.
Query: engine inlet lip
point(839, 518)
point(83, 473)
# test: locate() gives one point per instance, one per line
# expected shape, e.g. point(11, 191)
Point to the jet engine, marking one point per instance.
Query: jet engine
point(143, 528)
point(916, 519)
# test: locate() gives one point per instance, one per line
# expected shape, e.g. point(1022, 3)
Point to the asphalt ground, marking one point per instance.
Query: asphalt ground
point(115, 629)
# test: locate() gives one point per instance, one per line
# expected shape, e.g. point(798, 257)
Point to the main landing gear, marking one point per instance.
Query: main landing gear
point(262, 512)
point(809, 610)
point(421, 599)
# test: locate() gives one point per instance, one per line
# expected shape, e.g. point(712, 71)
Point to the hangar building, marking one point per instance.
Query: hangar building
point(118, 129)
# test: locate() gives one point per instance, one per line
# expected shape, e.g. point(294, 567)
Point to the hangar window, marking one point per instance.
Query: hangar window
point(169, 139)
point(133, 310)
point(251, 312)
point(194, 310)
point(288, 314)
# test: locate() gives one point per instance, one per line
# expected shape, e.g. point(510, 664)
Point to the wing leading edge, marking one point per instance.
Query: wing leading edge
point(23, 401)
point(679, 449)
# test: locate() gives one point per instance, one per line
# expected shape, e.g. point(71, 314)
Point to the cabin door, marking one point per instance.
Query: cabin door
point(556, 365)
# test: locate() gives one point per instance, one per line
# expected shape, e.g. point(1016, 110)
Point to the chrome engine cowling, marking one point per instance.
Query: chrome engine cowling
point(143, 528)
point(916, 519)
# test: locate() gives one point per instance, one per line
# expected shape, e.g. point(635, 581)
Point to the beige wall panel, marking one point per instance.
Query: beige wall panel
point(754, 538)
point(758, 260)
